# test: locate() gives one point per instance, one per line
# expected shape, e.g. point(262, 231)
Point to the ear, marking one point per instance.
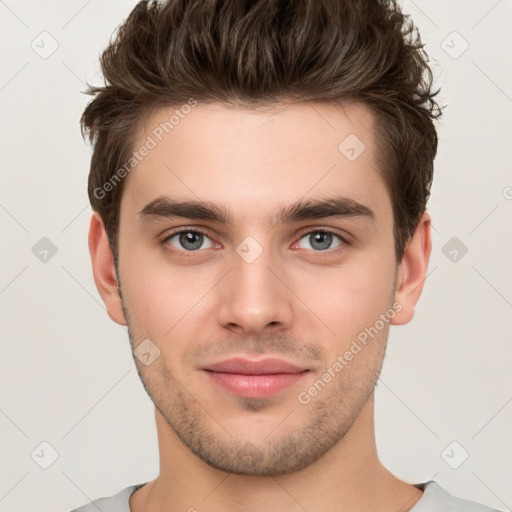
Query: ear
point(412, 271)
point(104, 270)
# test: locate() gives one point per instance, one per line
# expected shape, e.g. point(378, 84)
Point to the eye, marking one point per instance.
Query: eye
point(192, 241)
point(320, 240)
point(189, 240)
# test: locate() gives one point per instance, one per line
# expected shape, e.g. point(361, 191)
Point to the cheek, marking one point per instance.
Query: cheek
point(160, 298)
point(349, 298)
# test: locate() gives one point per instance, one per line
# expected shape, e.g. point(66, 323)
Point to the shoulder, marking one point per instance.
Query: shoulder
point(117, 503)
point(437, 499)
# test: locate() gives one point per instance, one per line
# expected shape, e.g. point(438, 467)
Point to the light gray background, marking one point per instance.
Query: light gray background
point(68, 377)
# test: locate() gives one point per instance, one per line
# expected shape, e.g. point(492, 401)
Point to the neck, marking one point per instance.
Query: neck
point(347, 477)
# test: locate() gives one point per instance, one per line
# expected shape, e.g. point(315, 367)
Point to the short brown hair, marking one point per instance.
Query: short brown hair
point(259, 52)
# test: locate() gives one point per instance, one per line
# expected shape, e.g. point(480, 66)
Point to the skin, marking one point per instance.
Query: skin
point(220, 451)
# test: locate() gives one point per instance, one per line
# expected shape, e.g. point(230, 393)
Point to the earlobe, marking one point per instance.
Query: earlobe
point(104, 270)
point(412, 272)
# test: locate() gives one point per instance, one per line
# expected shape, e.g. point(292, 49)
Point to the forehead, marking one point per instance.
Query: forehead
point(255, 161)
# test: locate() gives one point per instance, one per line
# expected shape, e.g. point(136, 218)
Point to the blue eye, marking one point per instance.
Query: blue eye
point(321, 240)
point(189, 240)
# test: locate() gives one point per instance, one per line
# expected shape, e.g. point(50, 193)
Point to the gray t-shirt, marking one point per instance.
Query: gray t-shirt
point(434, 499)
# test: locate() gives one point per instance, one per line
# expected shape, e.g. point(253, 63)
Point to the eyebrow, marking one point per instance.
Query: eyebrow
point(165, 207)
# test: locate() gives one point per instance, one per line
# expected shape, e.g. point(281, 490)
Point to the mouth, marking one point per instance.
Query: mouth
point(256, 379)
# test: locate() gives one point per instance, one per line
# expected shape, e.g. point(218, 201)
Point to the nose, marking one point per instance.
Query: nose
point(252, 300)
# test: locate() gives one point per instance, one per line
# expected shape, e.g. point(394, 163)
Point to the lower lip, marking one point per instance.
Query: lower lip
point(255, 386)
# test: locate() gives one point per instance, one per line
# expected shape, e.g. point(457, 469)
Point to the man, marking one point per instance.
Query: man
point(259, 184)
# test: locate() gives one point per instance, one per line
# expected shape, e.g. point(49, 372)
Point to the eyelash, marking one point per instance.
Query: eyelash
point(191, 254)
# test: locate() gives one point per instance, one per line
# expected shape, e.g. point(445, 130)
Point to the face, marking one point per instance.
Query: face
point(288, 254)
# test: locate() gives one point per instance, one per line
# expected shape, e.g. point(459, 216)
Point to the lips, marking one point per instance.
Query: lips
point(247, 367)
point(256, 379)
